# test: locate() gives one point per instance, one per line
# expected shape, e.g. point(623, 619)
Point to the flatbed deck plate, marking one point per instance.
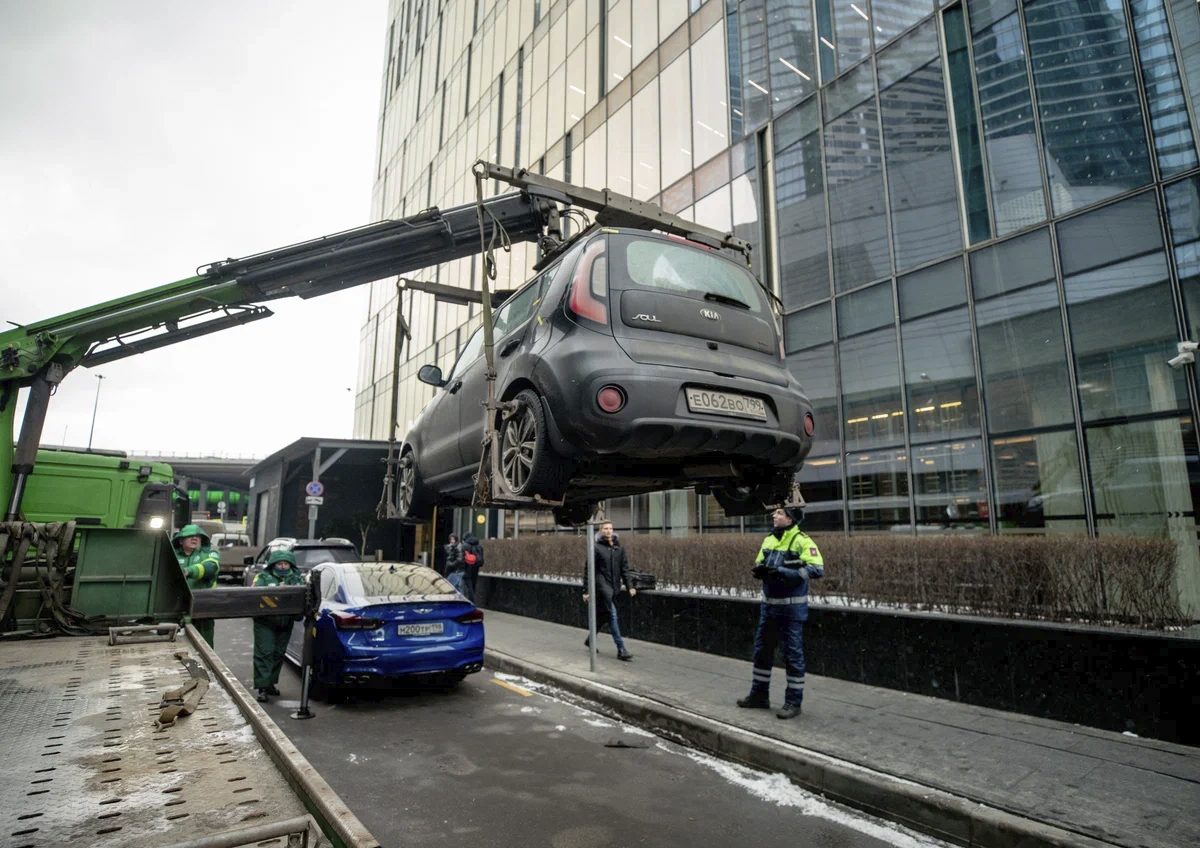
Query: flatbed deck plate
point(85, 765)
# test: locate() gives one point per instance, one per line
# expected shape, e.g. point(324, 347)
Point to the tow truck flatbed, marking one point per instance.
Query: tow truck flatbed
point(87, 765)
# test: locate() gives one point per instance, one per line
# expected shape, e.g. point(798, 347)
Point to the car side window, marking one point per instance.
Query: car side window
point(328, 583)
point(518, 308)
point(469, 354)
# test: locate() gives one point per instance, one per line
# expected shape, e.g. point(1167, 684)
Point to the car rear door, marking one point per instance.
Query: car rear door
point(682, 305)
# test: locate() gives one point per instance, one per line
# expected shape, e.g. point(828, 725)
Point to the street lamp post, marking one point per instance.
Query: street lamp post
point(95, 406)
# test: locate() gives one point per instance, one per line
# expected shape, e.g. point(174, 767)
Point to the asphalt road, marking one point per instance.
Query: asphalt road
point(498, 761)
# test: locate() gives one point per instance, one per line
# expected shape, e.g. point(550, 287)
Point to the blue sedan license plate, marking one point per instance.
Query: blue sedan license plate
point(432, 629)
point(725, 403)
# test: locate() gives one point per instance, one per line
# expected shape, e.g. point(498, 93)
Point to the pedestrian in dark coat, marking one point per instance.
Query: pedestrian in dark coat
point(612, 570)
point(471, 563)
point(454, 562)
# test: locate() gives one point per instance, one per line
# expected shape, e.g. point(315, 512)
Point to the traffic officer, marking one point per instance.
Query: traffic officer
point(787, 560)
point(200, 564)
point(272, 632)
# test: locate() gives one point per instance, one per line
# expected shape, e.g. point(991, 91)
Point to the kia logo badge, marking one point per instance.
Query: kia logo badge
point(711, 314)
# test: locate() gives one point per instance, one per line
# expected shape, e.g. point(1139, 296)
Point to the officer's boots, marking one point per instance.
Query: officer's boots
point(755, 701)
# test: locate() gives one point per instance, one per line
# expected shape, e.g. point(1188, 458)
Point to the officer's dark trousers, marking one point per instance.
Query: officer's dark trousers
point(780, 623)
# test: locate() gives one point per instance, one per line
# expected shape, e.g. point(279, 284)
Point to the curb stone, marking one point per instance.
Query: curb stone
point(924, 809)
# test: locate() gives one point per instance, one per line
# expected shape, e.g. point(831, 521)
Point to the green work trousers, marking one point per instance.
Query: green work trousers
point(205, 627)
point(270, 644)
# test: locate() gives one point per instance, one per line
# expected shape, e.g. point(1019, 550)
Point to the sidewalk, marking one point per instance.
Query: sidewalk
point(927, 762)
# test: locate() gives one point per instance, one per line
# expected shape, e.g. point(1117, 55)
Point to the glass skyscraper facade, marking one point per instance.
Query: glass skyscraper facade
point(982, 218)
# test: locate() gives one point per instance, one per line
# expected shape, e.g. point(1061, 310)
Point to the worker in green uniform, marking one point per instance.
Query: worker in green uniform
point(200, 564)
point(271, 632)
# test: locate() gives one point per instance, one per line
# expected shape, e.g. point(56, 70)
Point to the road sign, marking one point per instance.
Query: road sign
point(312, 513)
point(221, 507)
point(314, 501)
point(316, 488)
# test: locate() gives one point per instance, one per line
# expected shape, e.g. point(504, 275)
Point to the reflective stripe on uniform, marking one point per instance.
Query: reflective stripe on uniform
point(797, 682)
point(762, 674)
point(803, 599)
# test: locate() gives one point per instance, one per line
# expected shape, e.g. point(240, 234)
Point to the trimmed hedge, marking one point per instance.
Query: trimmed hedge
point(1122, 580)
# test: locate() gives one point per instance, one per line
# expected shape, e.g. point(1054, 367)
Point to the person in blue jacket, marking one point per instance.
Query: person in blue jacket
point(787, 560)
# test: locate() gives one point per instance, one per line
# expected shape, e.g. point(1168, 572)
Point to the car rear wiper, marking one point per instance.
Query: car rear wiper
point(724, 298)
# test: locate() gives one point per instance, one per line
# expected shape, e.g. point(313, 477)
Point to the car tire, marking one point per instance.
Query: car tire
point(528, 461)
point(414, 500)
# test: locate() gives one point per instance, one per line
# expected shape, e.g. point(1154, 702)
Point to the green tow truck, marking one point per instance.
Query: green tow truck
point(121, 727)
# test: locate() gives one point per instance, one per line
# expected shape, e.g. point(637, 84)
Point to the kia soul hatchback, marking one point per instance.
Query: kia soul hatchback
point(638, 362)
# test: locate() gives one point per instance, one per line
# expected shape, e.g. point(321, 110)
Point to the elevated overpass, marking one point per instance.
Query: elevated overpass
point(207, 473)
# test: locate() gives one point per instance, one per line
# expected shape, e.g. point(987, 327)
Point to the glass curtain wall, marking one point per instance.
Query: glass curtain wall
point(982, 218)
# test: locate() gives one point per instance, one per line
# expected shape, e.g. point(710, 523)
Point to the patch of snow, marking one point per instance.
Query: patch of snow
point(353, 758)
point(528, 710)
point(777, 789)
point(595, 722)
point(636, 731)
point(1132, 735)
point(560, 727)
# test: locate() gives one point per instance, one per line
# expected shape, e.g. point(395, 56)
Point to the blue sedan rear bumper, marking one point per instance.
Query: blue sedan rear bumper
point(367, 664)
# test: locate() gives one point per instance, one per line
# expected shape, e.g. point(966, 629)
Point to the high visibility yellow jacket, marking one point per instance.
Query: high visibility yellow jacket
point(795, 559)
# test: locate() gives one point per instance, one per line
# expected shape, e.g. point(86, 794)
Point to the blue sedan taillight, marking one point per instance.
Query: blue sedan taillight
point(348, 621)
point(475, 616)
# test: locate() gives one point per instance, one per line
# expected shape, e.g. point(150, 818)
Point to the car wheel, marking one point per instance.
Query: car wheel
point(413, 498)
point(528, 462)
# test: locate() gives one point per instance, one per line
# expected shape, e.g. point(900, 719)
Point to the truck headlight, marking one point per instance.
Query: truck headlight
point(156, 523)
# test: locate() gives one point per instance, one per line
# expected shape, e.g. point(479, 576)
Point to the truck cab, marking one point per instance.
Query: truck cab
point(102, 488)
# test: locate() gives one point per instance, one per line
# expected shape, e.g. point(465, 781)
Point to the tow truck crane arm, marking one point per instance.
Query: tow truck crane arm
point(229, 293)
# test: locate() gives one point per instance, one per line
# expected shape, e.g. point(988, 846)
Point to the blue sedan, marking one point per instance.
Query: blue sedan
point(381, 623)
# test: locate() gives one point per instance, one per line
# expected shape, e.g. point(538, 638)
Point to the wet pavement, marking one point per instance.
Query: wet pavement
point(499, 761)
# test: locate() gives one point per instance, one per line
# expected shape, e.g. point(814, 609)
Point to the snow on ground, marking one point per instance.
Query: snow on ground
point(777, 789)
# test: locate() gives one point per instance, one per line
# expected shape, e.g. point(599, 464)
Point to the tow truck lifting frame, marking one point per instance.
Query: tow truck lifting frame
point(231, 292)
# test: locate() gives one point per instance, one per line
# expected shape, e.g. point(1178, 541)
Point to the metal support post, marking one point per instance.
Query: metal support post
point(310, 627)
point(312, 510)
point(591, 587)
point(25, 453)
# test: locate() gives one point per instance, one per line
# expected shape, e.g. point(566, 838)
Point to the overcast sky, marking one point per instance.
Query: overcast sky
point(139, 140)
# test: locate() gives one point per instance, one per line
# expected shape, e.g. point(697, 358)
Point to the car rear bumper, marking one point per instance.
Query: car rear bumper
point(394, 663)
point(656, 423)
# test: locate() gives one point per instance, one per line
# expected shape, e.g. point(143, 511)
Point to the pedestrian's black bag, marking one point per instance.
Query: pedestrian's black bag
point(642, 580)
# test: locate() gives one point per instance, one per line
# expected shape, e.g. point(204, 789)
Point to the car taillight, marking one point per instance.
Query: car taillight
point(346, 621)
point(809, 424)
point(611, 398)
point(589, 288)
point(475, 616)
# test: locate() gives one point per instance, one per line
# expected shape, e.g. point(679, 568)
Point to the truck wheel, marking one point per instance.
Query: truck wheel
point(528, 462)
point(413, 498)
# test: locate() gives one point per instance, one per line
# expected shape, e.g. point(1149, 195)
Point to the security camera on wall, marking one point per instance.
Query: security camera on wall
point(1187, 355)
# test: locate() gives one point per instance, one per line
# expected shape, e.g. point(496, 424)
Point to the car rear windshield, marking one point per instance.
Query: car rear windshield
point(372, 583)
point(306, 558)
point(659, 264)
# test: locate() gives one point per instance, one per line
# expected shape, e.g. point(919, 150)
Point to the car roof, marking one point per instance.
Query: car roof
point(321, 543)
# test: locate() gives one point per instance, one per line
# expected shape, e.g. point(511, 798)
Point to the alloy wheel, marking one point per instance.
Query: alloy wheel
point(517, 449)
point(408, 483)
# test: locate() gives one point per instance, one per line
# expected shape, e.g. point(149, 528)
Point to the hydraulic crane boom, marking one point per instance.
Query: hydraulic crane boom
point(228, 293)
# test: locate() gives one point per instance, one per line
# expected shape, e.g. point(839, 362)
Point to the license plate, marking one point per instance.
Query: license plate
point(725, 403)
point(421, 629)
